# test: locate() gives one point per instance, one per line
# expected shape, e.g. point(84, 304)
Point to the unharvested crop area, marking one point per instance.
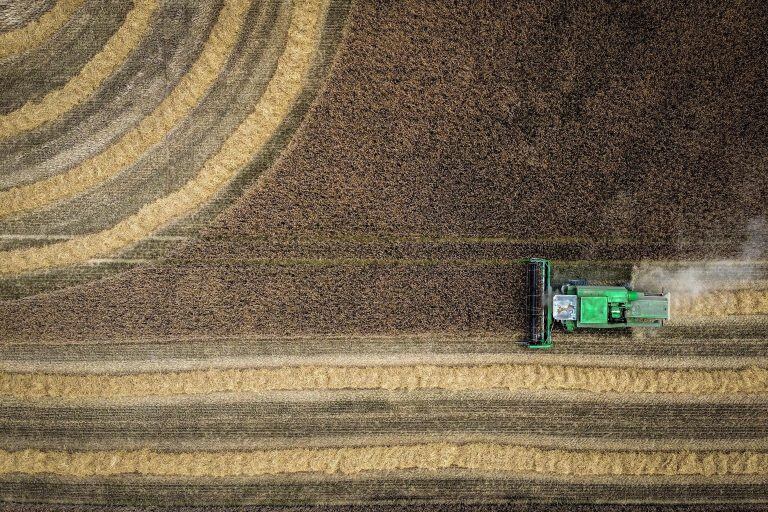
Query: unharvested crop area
point(366, 294)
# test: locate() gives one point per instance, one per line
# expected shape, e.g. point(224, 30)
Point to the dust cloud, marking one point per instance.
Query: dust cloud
point(688, 281)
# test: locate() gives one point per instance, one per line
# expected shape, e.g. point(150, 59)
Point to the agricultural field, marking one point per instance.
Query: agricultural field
point(342, 324)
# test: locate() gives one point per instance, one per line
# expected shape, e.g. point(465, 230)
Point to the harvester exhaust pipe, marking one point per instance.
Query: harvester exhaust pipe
point(538, 309)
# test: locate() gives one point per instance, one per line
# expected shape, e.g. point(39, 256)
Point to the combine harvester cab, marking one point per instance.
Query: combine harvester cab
point(579, 305)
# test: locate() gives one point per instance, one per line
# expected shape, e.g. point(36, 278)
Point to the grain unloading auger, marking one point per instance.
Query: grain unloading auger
point(581, 306)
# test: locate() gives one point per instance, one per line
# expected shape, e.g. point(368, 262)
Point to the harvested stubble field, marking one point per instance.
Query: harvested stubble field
point(326, 312)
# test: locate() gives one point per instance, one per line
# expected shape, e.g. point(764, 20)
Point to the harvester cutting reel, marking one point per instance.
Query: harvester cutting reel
point(578, 305)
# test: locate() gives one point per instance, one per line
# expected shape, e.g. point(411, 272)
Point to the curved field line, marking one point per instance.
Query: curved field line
point(353, 460)
point(253, 133)
point(57, 102)
point(751, 380)
point(150, 130)
point(35, 32)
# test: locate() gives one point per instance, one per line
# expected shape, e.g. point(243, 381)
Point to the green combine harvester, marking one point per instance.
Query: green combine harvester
point(581, 306)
